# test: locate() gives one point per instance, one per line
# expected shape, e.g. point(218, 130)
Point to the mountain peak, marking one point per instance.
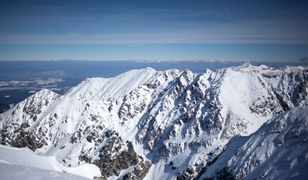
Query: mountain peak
point(247, 67)
point(44, 92)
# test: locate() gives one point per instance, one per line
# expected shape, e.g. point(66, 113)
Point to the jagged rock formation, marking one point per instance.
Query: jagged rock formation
point(144, 122)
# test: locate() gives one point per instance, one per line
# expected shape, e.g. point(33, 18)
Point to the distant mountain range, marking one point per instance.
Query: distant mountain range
point(244, 122)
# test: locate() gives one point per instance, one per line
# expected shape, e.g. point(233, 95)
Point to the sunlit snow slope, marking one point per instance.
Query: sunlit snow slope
point(25, 164)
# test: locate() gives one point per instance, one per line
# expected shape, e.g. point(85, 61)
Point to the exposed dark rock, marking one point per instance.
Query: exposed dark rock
point(111, 160)
point(189, 173)
point(24, 139)
point(142, 168)
point(225, 174)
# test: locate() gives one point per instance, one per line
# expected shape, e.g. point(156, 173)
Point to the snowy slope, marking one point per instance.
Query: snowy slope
point(278, 150)
point(23, 163)
point(14, 172)
point(144, 122)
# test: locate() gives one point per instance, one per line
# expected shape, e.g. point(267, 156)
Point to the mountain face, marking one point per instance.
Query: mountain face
point(278, 150)
point(172, 124)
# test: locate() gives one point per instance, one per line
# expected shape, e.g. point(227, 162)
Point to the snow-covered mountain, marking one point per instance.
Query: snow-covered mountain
point(167, 124)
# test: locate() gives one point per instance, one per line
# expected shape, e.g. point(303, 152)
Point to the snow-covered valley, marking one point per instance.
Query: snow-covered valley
point(238, 122)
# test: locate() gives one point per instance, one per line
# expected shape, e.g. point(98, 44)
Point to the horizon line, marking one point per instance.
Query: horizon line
point(302, 60)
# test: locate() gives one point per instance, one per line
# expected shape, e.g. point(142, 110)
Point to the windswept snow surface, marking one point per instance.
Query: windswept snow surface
point(155, 124)
point(278, 150)
point(22, 163)
point(15, 172)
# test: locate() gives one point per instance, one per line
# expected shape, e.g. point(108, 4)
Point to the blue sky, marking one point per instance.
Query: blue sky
point(154, 30)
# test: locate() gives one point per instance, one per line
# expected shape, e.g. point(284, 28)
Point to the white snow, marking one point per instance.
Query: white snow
point(38, 167)
point(15, 172)
point(278, 150)
point(238, 91)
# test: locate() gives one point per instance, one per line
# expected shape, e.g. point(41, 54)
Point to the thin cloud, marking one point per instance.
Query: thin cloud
point(226, 32)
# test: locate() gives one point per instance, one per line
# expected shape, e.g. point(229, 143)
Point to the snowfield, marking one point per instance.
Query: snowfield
point(22, 163)
point(238, 122)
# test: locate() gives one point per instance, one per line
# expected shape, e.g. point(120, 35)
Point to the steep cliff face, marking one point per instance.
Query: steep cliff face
point(144, 122)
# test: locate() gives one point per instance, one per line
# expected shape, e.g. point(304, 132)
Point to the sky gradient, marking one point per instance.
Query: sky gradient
point(272, 30)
